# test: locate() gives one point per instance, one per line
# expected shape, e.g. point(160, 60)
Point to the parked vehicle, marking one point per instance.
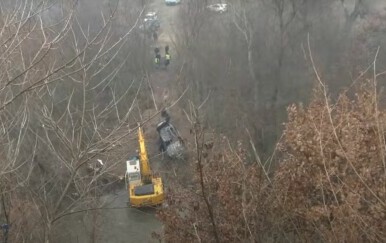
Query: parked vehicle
point(150, 26)
point(218, 7)
point(150, 22)
point(150, 16)
point(172, 2)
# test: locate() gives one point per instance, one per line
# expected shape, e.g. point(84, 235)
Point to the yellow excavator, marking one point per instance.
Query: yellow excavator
point(145, 188)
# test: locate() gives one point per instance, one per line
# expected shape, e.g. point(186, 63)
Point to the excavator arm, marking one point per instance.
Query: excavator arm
point(144, 160)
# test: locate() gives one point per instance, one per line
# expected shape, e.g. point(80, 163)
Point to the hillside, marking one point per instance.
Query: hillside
point(279, 104)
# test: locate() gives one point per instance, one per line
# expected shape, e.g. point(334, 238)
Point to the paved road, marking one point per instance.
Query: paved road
point(115, 225)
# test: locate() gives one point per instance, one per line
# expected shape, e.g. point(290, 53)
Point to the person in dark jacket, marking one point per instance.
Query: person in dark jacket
point(157, 59)
point(5, 228)
point(155, 35)
point(165, 115)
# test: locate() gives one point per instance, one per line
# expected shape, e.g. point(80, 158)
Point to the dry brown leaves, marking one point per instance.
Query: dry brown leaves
point(233, 189)
point(332, 179)
point(330, 184)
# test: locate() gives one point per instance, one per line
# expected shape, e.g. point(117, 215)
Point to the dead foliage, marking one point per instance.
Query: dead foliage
point(329, 185)
point(234, 189)
point(331, 182)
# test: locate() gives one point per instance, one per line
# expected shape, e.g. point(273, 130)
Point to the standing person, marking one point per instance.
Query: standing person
point(155, 35)
point(5, 228)
point(167, 59)
point(165, 115)
point(158, 59)
point(166, 49)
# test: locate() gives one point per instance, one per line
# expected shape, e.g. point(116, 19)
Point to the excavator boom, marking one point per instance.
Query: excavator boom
point(145, 170)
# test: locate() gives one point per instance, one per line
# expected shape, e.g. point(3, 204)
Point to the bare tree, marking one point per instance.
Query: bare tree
point(245, 27)
point(360, 9)
point(62, 108)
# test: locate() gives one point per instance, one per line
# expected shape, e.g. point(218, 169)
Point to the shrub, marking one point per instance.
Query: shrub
point(329, 184)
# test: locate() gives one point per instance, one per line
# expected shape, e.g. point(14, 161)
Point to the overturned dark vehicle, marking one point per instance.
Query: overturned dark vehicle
point(170, 142)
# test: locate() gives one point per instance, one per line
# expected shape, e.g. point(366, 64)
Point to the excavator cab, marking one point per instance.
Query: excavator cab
point(133, 171)
point(133, 177)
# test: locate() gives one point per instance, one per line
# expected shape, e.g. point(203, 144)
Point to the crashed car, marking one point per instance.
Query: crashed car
point(218, 7)
point(170, 141)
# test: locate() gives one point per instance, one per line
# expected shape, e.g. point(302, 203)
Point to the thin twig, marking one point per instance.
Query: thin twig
point(152, 92)
point(257, 156)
